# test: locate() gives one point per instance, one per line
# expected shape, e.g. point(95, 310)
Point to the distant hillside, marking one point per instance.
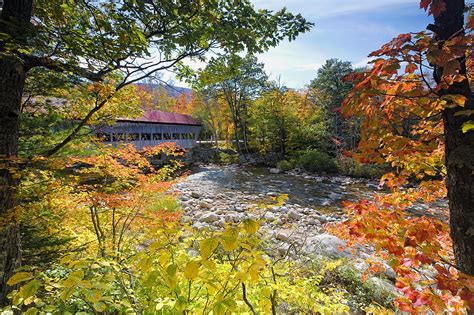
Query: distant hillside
point(173, 90)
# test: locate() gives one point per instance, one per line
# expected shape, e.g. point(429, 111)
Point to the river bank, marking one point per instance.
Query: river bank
point(213, 196)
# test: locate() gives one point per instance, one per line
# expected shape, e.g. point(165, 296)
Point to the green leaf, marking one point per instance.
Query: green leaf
point(100, 306)
point(31, 311)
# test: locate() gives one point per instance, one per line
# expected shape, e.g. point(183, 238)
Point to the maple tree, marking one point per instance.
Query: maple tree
point(423, 128)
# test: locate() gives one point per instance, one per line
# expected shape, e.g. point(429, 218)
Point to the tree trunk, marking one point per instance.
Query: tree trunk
point(12, 78)
point(16, 15)
point(244, 128)
point(236, 136)
point(459, 147)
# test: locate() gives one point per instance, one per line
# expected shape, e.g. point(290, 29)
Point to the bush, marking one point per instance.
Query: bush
point(363, 293)
point(175, 274)
point(228, 158)
point(315, 161)
point(286, 165)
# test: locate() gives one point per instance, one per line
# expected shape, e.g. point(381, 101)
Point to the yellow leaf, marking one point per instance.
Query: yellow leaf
point(468, 126)
point(229, 239)
point(254, 274)
point(73, 279)
point(19, 277)
point(454, 100)
point(207, 247)
point(94, 296)
point(191, 270)
point(251, 226)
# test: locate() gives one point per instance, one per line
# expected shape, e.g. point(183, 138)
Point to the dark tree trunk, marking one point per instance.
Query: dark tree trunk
point(245, 127)
point(459, 147)
point(16, 14)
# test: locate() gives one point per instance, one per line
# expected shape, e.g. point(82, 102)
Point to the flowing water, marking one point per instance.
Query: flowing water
point(307, 191)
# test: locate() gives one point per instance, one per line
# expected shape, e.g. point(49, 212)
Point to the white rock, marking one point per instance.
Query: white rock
point(322, 218)
point(269, 216)
point(209, 217)
point(294, 215)
point(326, 244)
point(275, 171)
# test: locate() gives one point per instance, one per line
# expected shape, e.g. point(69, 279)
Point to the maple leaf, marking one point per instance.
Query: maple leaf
point(424, 4)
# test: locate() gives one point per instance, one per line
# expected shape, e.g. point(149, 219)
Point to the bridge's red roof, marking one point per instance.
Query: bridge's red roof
point(161, 117)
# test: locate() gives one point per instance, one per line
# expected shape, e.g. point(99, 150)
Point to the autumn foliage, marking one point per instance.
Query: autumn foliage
point(401, 110)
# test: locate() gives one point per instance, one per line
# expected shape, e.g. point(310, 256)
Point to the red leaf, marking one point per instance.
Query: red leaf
point(424, 4)
point(410, 68)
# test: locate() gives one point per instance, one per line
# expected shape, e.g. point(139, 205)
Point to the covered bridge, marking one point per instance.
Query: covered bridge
point(154, 127)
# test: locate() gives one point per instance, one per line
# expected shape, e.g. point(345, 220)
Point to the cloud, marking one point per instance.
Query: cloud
point(363, 63)
point(333, 8)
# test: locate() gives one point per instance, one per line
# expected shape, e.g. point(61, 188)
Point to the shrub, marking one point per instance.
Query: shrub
point(176, 274)
point(228, 158)
point(286, 165)
point(315, 161)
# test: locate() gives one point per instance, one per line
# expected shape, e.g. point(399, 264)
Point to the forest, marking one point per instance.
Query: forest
point(151, 163)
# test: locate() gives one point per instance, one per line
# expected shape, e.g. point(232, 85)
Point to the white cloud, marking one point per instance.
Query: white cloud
point(332, 8)
point(363, 63)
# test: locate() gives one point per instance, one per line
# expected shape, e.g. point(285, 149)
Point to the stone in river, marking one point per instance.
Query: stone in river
point(269, 216)
point(282, 237)
point(327, 244)
point(209, 217)
point(294, 215)
point(275, 171)
point(314, 222)
point(205, 205)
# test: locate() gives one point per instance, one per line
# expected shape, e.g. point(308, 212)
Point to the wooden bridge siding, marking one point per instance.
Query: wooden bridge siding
point(128, 128)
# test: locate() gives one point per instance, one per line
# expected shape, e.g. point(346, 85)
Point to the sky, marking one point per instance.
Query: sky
point(345, 29)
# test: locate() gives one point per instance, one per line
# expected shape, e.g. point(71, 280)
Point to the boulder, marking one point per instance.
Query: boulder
point(205, 205)
point(294, 215)
point(327, 245)
point(270, 217)
point(281, 236)
point(209, 217)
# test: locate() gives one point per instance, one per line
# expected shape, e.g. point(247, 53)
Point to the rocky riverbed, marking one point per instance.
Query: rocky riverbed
point(215, 195)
